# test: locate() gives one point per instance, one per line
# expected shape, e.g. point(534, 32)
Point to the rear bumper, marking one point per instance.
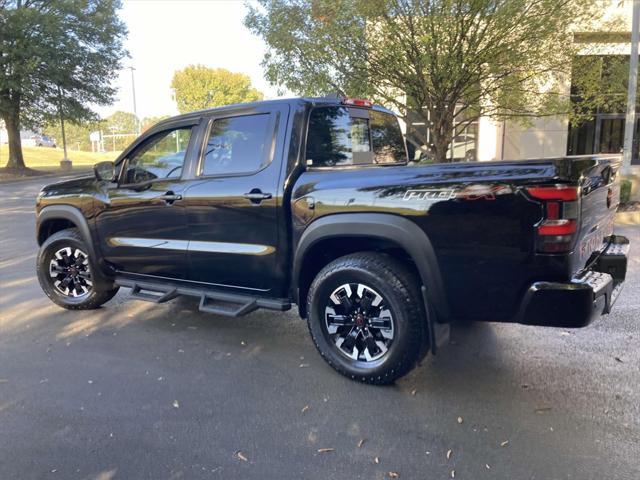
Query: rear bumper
point(577, 303)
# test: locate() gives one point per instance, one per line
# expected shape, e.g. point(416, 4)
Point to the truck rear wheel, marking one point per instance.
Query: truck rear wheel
point(64, 272)
point(365, 317)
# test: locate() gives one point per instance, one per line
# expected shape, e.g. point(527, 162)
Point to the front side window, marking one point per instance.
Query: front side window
point(340, 136)
point(237, 145)
point(161, 158)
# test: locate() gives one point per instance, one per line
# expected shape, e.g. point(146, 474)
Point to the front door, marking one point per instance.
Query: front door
point(142, 224)
point(232, 205)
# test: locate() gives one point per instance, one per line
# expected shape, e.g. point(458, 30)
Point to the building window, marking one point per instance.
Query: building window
point(463, 147)
point(604, 102)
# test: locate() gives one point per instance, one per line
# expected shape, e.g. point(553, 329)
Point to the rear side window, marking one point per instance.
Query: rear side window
point(340, 136)
point(237, 145)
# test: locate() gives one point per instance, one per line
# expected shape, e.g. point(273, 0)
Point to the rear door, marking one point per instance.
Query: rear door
point(232, 205)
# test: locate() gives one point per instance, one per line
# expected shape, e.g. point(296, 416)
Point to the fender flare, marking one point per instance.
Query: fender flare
point(384, 226)
point(74, 215)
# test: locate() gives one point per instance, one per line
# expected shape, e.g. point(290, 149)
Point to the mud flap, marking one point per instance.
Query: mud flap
point(438, 332)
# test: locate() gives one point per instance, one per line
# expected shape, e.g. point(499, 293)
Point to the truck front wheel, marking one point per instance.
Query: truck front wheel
point(365, 317)
point(64, 272)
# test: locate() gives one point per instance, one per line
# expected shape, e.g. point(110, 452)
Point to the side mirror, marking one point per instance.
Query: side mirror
point(105, 171)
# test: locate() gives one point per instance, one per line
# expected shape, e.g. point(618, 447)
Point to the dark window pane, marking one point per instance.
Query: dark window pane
point(328, 141)
point(236, 145)
point(337, 137)
point(386, 136)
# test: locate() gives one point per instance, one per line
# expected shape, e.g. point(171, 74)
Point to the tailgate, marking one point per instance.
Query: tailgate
point(578, 208)
point(599, 199)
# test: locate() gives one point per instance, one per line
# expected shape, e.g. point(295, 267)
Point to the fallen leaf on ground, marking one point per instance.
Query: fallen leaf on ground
point(376, 460)
point(176, 404)
point(505, 443)
point(240, 456)
point(394, 474)
point(449, 452)
point(361, 442)
point(326, 450)
point(305, 408)
point(460, 420)
point(542, 409)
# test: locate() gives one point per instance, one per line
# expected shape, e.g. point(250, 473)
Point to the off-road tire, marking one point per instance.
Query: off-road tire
point(400, 289)
point(68, 238)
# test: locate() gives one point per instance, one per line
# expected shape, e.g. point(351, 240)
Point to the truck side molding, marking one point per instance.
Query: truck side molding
point(382, 226)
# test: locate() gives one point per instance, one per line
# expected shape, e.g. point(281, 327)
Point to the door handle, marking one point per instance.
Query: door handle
point(170, 197)
point(256, 196)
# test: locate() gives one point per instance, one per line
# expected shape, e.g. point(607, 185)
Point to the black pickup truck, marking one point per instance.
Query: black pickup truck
point(311, 201)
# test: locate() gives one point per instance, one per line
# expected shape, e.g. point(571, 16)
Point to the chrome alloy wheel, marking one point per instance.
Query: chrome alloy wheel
point(70, 272)
point(359, 322)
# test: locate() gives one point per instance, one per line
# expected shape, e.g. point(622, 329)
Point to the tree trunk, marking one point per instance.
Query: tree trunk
point(12, 123)
point(441, 135)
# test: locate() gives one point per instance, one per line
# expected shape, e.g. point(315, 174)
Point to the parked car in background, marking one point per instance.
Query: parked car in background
point(31, 139)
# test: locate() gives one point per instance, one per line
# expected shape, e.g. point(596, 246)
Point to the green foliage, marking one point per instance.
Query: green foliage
point(625, 191)
point(456, 59)
point(121, 122)
point(198, 87)
point(77, 133)
point(56, 55)
point(599, 84)
point(149, 122)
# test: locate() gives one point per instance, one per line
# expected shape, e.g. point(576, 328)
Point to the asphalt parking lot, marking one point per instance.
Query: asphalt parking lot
point(136, 390)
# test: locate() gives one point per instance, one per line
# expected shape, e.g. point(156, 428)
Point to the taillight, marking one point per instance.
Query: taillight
point(357, 102)
point(558, 228)
point(554, 192)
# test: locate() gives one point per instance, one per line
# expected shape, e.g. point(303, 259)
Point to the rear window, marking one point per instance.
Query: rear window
point(340, 136)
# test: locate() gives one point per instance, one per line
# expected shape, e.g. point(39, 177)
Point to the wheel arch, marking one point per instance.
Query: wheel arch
point(366, 231)
point(54, 218)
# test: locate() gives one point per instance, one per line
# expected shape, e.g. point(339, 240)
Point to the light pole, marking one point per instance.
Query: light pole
point(135, 110)
point(65, 163)
point(631, 94)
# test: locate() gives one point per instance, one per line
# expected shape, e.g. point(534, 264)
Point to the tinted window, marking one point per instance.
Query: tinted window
point(236, 145)
point(342, 136)
point(162, 157)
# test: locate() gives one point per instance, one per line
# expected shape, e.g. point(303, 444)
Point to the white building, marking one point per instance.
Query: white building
point(554, 136)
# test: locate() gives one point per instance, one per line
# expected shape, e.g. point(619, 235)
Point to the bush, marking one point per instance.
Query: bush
point(625, 191)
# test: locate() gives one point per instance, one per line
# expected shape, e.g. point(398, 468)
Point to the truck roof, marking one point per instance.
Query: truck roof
point(293, 101)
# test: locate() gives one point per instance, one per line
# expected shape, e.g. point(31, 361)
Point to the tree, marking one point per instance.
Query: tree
point(448, 61)
point(198, 87)
point(77, 133)
point(148, 122)
point(121, 123)
point(55, 57)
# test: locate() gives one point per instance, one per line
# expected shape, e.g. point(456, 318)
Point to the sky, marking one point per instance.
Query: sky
point(167, 35)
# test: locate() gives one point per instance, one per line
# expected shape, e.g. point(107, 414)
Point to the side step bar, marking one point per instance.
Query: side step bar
point(211, 301)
